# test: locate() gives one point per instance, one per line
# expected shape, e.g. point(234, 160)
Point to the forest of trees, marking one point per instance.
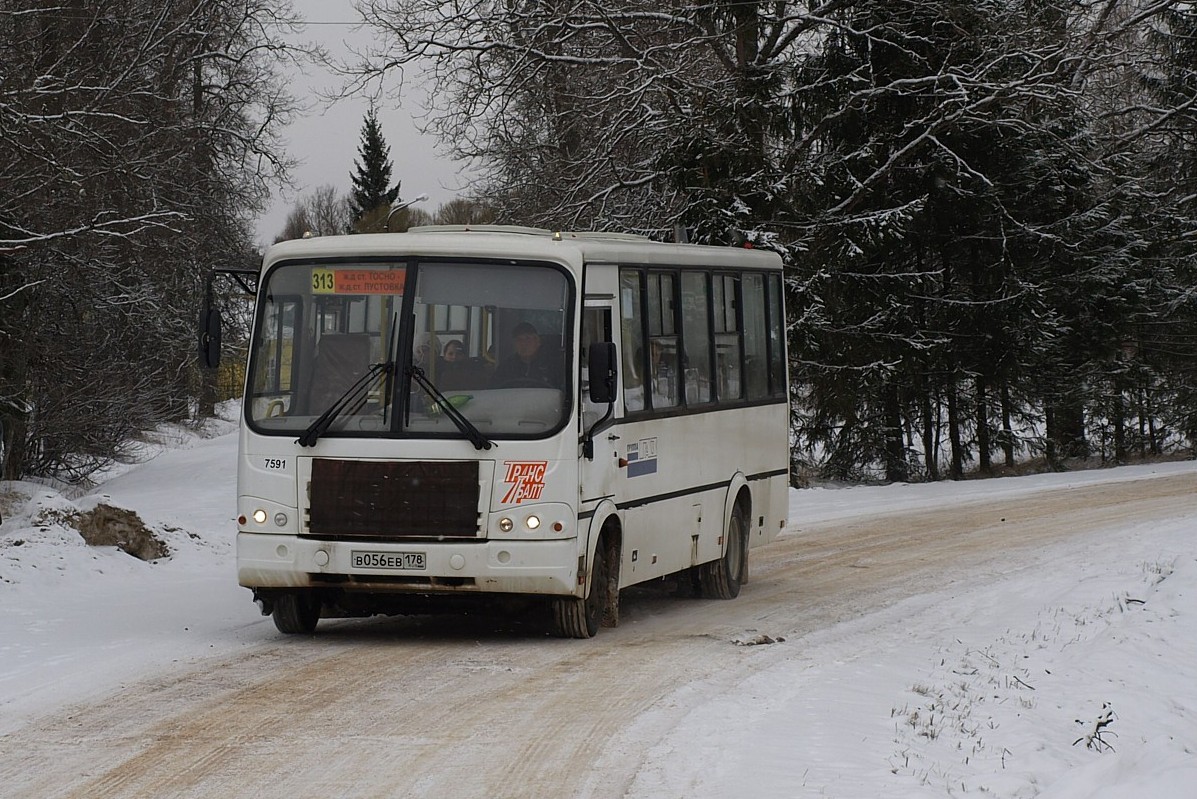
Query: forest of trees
point(138, 142)
point(986, 208)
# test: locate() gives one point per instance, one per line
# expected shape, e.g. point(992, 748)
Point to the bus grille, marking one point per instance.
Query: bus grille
point(387, 499)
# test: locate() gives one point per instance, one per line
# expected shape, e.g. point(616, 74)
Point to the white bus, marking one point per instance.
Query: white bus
point(491, 412)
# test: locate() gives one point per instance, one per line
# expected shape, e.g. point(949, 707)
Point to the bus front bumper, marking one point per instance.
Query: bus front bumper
point(511, 567)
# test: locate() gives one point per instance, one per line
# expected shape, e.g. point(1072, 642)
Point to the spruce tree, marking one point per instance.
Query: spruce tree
point(1165, 346)
point(372, 194)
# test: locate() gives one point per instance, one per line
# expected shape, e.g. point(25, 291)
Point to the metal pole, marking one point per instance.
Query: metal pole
point(419, 198)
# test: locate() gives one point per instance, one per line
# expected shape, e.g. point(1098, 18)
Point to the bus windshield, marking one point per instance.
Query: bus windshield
point(368, 339)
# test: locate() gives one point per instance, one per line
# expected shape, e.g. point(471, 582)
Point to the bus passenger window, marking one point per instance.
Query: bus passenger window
point(777, 338)
point(631, 327)
point(664, 363)
point(663, 371)
point(727, 339)
point(756, 350)
point(696, 335)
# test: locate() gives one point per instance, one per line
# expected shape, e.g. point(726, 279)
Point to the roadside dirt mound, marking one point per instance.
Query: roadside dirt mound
point(106, 526)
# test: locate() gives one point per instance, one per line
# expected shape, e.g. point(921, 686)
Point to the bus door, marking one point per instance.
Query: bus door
point(598, 473)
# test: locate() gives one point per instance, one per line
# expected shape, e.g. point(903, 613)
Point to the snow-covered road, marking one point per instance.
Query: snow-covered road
point(925, 641)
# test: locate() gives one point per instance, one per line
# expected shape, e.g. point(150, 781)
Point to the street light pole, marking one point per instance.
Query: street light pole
point(419, 198)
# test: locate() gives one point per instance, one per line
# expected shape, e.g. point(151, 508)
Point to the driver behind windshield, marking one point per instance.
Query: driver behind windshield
point(530, 364)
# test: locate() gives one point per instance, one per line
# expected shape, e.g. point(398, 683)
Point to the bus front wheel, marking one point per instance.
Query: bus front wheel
point(722, 578)
point(581, 618)
point(296, 612)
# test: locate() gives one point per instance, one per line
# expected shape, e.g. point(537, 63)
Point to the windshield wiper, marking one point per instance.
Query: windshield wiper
point(386, 388)
point(463, 424)
point(354, 396)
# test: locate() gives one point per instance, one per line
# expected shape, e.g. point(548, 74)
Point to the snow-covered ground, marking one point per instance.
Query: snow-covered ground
point(1073, 676)
point(994, 688)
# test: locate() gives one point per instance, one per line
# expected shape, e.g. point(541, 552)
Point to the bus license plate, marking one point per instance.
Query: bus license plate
point(389, 560)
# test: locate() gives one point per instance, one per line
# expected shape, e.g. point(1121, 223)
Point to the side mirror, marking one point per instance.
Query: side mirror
point(602, 372)
point(209, 337)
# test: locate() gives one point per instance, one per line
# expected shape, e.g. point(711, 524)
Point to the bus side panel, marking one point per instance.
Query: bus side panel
point(767, 457)
point(770, 508)
point(674, 489)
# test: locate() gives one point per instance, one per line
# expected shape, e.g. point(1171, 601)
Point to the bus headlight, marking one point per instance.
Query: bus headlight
point(532, 522)
point(280, 519)
point(260, 516)
point(506, 524)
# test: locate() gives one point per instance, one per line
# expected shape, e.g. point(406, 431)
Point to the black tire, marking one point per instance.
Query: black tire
point(581, 618)
point(722, 578)
point(296, 612)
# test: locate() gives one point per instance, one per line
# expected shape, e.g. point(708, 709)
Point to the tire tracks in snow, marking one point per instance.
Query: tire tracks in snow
point(450, 706)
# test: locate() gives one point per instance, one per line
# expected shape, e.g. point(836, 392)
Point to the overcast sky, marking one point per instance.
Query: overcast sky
point(325, 140)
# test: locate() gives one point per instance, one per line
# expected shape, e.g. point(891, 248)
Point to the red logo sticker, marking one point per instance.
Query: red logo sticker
point(525, 480)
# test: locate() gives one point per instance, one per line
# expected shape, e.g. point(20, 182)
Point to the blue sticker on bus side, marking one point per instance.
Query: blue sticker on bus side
point(642, 457)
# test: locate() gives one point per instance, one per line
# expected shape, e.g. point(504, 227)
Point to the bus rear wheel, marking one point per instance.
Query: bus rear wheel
point(722, 578)
point(581, 618)
point(296, 612)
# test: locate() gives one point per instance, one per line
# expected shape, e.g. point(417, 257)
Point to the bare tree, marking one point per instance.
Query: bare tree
point(561, 105)
point(330, 211)
point(464, 211)
point(323, 212)
point(137, 140)
point(298, 224)
point(415, 217)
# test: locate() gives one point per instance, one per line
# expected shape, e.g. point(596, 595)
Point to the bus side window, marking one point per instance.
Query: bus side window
point(596, 327)
point(664, 364)
point(631, 328)
point(727, 339)
point(777, 338)
point(663, 371)
point(273, 390)
point(696, 334)
point(756, 349)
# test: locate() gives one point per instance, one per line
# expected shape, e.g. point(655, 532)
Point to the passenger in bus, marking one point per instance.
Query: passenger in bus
point(530, 364)
point(457, 370)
